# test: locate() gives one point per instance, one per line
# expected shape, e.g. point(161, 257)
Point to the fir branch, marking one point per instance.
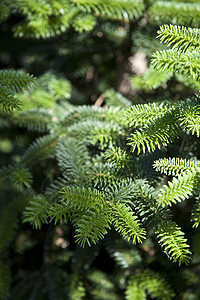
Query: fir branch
point(174, 166)
point(186, 63)
point(72, 157)
point(93, 225)
point(32, 8)
point(104, 174)
point(81, 198)
point(4, 11)
point(134, 289)
point(114, 98)
point(116, 155)
point(127, 224)
point(189, 115)
point(76, 290)
point(34, 119)
point(180, 37)
point(113, 9)
point(73, 203)
point(155, 285)
point(36, 211)
point(125, 255)
point(84, 22)
point(40, 149)
point(160, 132)
point(121, 192)
point(172, 240)
point(106, 135)
point(152, 79)
point(83, 113)
point(141, 114)
point(8, 101)
point(16, 176)
point(179, 189)
point(185, 14)
point(20, 177)
point(43, 27)
point(58, 212)
point(16, 81)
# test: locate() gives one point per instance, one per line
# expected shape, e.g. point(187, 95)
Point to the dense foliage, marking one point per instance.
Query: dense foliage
point(99, 126)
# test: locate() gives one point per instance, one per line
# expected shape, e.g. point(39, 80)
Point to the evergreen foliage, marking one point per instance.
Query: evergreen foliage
point(13, 82)
point(100, 185)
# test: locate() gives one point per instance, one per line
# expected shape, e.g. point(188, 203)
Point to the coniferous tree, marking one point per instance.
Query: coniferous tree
point(96, 198)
